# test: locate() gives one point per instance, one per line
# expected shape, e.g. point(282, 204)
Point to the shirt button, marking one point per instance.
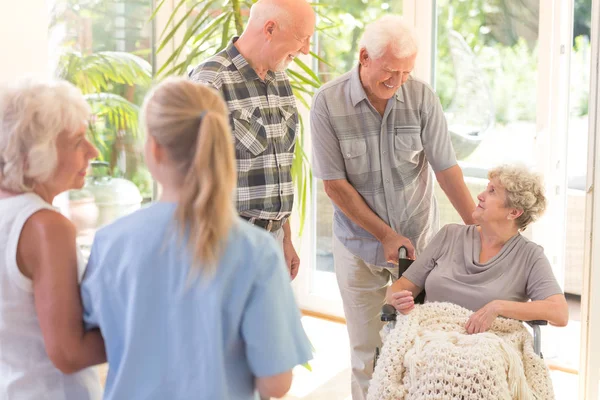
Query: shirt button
point(348, 154)
point(384, 152)
point(387, 181)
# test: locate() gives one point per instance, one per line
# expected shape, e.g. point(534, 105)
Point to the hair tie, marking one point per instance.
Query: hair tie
point(201, 116)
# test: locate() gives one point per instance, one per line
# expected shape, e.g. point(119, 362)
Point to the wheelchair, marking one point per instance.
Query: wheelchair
point(389, 313)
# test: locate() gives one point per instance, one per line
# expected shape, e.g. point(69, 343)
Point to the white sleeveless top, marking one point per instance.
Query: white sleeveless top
point(26, 372)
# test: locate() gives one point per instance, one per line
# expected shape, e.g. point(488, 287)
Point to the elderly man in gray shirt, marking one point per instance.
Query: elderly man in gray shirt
point(377, 133)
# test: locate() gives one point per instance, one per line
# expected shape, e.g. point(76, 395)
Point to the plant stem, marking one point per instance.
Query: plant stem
point(237, 16)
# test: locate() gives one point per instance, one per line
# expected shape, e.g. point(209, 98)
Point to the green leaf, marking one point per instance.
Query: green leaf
point(225, 35)
point(174, 30)
point(307, 366)
point(303, 79)
point(315, 56)
point(157, 8)
point(309, 71)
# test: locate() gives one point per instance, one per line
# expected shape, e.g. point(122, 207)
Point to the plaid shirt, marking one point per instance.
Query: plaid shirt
point(264, 121)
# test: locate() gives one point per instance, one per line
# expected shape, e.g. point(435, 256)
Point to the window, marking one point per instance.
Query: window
point(105, 49)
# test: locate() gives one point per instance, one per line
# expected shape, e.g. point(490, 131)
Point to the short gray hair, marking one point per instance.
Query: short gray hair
point(524, 191)
point(389, 31)
point(32, 115)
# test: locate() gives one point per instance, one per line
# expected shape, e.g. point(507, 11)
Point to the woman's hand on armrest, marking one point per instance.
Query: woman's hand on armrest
point(274, 386)
point(402, 301)
point(554, 309)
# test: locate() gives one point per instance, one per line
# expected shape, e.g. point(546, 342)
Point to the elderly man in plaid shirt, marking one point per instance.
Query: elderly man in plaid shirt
point(250, 75)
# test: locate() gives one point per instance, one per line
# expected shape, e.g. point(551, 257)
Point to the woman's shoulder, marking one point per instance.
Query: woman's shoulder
point(457, 229)
point(529, 247)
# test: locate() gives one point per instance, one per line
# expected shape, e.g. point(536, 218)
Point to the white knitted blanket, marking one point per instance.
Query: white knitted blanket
point(429, 355)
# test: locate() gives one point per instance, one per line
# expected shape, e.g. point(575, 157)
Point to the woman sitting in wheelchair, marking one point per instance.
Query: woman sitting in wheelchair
point(472, 275)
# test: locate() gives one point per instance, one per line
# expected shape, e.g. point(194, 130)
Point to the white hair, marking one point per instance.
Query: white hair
point(32, 115)
point(260, 13)
point(390, 32)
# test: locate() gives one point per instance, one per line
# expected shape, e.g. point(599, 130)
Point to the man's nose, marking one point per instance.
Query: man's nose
point(306, 47)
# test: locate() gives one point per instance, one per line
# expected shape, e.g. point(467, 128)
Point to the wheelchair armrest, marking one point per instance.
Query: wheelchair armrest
point(388, 313)
point(536, 322)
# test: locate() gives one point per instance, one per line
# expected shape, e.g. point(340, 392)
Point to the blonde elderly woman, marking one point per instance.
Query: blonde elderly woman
point(489, 268)
point(43, 152)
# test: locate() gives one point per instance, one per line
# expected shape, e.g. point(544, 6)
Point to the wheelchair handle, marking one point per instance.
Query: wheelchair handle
point(388, 313)
point(402, 252)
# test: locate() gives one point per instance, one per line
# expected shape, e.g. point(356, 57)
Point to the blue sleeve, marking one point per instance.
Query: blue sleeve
point(90, 317)
point(271, 326)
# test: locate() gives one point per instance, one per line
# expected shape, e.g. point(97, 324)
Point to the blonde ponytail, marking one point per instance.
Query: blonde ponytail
point(190, 121)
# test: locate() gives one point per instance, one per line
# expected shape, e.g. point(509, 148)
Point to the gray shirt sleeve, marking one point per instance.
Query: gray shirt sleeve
point(327, 160)
point(541, 282)
point(434, 133)
point(419, 270)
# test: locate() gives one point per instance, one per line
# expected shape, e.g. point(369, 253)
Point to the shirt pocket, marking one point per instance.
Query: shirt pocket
point(355, 156)
point(289, 123)
point(250, 134)
point(407, 144)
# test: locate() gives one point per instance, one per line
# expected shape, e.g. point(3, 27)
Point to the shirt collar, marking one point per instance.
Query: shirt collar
point(357, 91)
point(242, 65)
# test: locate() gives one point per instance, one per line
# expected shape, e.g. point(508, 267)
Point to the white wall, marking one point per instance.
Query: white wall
point(23, 39)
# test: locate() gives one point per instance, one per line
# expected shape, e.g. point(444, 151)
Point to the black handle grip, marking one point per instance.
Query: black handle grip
point(388, 313)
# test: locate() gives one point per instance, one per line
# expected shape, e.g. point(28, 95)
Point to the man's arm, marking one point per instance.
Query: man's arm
point(440, 154)
point(289, 252)
point(452, 182)
point(347, 198)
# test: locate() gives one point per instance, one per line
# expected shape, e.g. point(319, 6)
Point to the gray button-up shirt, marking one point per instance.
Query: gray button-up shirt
point(387, 159)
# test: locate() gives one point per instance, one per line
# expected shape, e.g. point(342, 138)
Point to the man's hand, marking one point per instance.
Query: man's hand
point(481, 320)
point(291, 257)
point(402, 301)
point(392, 242)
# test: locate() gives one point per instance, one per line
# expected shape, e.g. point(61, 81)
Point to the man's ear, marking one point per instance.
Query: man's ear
point(363, 57)
point(268, 29)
